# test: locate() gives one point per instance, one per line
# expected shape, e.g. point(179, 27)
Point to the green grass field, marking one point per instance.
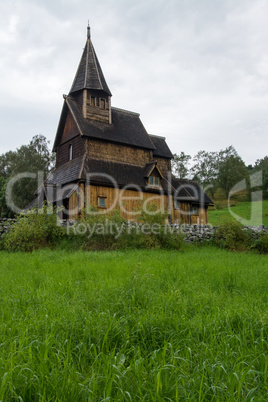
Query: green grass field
point(243, 211)
point(134, 326)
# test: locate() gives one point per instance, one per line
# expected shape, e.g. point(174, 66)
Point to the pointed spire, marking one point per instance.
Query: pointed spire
point(89, 74)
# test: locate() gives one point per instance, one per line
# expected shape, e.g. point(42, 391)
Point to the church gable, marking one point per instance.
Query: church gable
point(153, 175)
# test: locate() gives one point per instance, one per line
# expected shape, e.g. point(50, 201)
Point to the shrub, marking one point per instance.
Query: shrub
point(33, 231)
point(220, 204)
point(111, 231)
point(170, 239)
point(220, 194)
point(232, 236)
point(262, 244)
point(101, 229)
point(152, 215)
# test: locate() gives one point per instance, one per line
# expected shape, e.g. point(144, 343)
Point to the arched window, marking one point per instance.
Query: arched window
point(70, 152)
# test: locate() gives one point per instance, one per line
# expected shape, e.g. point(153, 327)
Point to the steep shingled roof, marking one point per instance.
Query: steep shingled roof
point(123, 174)
point(190, 190)
point(126, 127)
point(100, 172)
point(67, 173)
point(161, 147)
point(89, 74)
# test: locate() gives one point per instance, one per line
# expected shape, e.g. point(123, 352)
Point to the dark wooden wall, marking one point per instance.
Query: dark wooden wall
point(78, 144)
point(117, 153)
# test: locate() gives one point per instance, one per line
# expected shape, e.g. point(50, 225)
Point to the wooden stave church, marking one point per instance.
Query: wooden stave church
point(105, 158)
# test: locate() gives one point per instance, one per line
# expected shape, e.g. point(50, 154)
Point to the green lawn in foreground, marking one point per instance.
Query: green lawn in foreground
point(134, 326)
point(244, 211)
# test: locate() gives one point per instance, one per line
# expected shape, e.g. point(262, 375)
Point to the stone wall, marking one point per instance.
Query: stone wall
point(193, 233)
point(196, 232)
point(206, 232)
point(5, 224)
point(201, 233)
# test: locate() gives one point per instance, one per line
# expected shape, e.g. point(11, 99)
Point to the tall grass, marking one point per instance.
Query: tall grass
point(134, 326)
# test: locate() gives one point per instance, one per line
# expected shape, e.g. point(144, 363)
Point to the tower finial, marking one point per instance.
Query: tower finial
point(88, 31)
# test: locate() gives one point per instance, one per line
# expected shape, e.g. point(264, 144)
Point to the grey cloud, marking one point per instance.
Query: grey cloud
point(195, 70)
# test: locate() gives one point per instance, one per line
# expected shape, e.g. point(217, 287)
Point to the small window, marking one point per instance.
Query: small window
point(102, 202)
point(102, 103)
point(193, 210)
point(154, 181)
point(92, 101)
point(70, 152)
point(176, 204)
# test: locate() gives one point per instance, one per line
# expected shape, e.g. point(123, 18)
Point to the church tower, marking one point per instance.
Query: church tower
point(89, 80)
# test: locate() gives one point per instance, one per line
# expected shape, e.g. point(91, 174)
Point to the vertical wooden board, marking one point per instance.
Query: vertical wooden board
point(130, 202)
point(73, 206)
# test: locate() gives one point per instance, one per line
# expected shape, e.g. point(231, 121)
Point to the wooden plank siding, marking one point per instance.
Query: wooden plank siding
point(70, 129)
point(78, 147)
point(93, 110)
point(74, 206)
point(131, 203)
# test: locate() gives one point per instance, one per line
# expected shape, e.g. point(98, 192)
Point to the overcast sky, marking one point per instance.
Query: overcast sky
point(195, 70)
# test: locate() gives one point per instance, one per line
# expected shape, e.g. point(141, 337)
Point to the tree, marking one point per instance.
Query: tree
point(221, 169)
point(205, 168)
point(262, 165)
point(32, 158)
point(4, 210)
point(232, 170)
point(180, 165)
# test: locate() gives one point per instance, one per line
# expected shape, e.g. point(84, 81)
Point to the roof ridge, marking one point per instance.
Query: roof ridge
point(85, 80)
point(82, 165)
point(151, 163)
point(94, 58)
point(125, 111)
point(114, 162)
point(157, 136)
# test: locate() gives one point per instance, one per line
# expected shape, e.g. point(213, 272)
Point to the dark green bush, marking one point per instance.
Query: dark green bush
point(153, 215)
point(96, 231)
point(232, 236)
point(261, 244)
point(170, 239)
point(33, 231)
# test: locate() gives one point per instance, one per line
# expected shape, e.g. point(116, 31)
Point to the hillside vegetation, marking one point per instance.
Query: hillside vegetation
point(243, 210)
point(143, 325)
